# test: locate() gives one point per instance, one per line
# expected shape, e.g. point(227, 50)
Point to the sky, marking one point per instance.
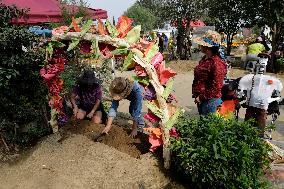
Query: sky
point(113, 7)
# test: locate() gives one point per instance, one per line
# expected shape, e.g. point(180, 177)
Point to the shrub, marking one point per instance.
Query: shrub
point(23, 96)
point(216, 153)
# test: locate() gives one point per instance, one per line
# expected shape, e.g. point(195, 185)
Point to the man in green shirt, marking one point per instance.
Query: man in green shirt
point(254, 49)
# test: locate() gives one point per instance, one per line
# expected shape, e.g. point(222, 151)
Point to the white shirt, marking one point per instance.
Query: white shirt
point(260, 93)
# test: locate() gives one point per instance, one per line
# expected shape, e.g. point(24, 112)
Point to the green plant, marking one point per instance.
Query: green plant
point(214, 152)
point(280, 63)
point(69, 12)
point(141, 16)
point(23, 96)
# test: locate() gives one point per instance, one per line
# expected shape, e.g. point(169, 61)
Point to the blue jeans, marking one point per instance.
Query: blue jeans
point(209, 106)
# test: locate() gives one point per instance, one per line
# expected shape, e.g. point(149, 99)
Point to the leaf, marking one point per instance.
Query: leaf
point(49, 49)
point(154, 49)
point(57, 44)
point(168, 89)
point(157, 111)
point(101, 27)
point(86, 28)
point(113, 32)
point(215, 151)
point(133, 35)
point(52, 44)
point(95, 46)
point(75, 25)
point(173, 119)
point(74, 43)
point(120, 51)
point(128, 61)
point(95, 49)
point(142, 80)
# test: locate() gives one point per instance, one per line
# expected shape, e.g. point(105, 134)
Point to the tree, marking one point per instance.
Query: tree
point(141, 16)
point(181, 12)
point(231, 15)
point(272, 14)
point(78, 8)
point(155, 7)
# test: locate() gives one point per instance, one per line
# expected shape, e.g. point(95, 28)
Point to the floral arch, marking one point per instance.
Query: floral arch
point(106, 41)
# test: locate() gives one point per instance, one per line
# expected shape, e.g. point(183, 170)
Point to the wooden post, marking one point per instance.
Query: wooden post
point(153, 76)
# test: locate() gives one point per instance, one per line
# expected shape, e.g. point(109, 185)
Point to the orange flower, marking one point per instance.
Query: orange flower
point(75, 25)
point(165, 73)
point(123, 26)
point(155, 131)
point(56, 102)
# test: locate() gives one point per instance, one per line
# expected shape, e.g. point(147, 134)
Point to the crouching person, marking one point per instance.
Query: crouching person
point(86, 98)
point(123, 88)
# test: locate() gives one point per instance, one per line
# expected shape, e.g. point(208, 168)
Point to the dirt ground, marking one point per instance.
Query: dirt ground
point(117, 161)
point(78, 162)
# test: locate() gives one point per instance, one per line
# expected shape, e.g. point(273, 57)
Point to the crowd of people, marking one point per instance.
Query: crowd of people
point(165, 43)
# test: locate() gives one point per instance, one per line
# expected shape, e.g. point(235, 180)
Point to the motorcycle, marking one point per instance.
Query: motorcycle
point(255, 89)
point(262, 59)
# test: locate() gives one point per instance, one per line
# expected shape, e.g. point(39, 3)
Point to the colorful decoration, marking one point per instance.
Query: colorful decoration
point(123, 26)
point(109, 41)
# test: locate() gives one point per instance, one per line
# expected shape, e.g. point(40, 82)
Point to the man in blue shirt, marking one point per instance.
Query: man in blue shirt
point(123, 88)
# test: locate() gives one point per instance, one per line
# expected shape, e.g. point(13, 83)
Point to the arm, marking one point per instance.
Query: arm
point(98, 96)
point(97, 104)
point(201, 78)
point(111, 115)
point(73, 102)
point(74, 95)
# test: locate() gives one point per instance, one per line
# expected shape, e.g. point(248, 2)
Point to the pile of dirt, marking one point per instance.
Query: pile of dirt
point(79, 163)
point(118, 137)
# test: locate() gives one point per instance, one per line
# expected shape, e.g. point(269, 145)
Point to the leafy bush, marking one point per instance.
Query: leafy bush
point(216, 153)
point(23, 96)
point(280, 62)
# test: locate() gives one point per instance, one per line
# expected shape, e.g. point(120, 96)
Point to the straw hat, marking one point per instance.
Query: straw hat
point(120, 87)
point(209, 39)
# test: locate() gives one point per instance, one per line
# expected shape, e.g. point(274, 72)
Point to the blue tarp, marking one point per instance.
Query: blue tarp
point(40, 31)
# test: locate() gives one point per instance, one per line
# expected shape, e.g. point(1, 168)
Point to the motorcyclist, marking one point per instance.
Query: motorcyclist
point(253, 50)
point(259, 89)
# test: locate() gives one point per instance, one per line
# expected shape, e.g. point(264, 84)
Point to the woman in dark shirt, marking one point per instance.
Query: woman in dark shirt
point(209, 74)
point(86, 98)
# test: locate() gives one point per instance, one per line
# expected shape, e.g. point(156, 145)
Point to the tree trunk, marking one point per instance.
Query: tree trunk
point(179, 40)
point(229, 44)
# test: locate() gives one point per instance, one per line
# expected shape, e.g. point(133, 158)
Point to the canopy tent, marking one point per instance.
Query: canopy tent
point(46, 11)
point(93, 13)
